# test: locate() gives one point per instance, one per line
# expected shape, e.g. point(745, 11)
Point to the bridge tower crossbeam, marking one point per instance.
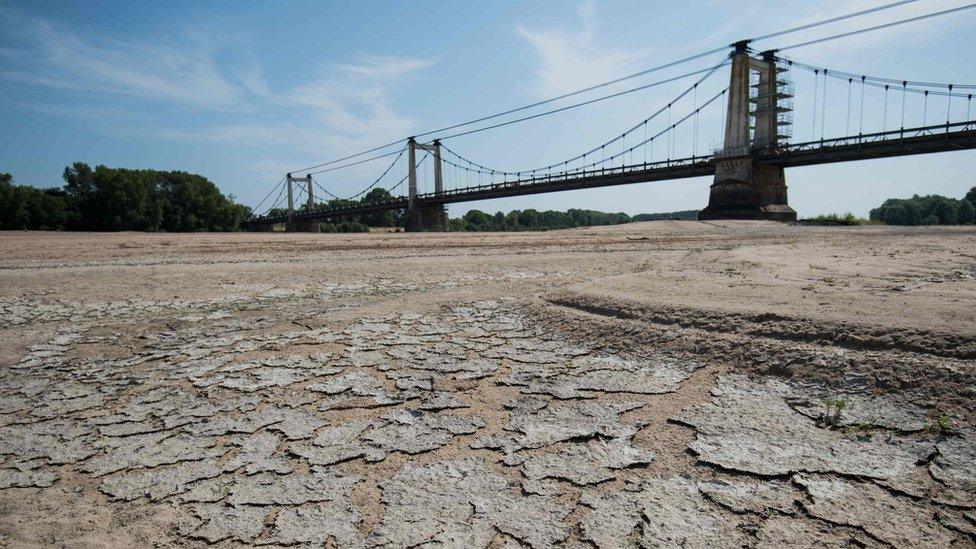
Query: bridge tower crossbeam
point(744, 188)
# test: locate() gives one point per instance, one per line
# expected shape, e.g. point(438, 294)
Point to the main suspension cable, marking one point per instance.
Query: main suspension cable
point(877, 27)
point(607, 83)
point(708, 72)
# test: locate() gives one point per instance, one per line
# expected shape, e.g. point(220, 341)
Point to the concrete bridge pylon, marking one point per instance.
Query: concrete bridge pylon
point(758, 108)
point(424, 217)
point(301, 225)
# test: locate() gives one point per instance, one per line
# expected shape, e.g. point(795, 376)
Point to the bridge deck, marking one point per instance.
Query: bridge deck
point(901, 142)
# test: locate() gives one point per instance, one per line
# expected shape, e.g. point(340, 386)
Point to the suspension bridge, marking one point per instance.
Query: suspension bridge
point(749, 99)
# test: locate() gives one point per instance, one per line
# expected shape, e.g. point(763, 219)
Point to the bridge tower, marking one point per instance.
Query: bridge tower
point(420, 217)
point(758, 110)
point(300, 225)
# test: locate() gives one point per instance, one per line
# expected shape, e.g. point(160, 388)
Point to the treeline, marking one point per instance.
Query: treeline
point(688, 215)
point(534, 220)
point(927, 210)
point(117, 199)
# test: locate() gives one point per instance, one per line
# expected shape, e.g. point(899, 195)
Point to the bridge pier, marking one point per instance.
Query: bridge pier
point(424, 217)
point(301, 225)
point(743, 188)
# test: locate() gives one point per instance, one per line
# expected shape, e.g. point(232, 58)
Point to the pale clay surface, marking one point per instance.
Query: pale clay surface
point(575, 388)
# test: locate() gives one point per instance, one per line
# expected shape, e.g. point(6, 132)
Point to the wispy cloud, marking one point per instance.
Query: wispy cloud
point(346, 107)
point(572, 58)
point(49, 55)
point(339, 108)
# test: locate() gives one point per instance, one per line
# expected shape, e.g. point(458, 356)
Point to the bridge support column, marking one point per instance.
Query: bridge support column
point(743, 188)
point(431, 217)
point(301, 225)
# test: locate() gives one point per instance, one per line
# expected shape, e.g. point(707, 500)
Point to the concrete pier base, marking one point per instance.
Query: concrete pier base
point(744, 190)
point(303, 226)
point(431, 219)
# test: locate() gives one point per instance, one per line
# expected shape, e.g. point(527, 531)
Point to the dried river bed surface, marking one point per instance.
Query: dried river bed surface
point(659, 384)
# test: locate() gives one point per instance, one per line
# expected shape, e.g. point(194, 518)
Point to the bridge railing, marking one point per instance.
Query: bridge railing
point(562, 177)
point(850, 140)
point(660, 166)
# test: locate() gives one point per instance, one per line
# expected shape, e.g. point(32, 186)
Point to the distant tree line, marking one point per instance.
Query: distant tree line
point(477, 220)
point(117, 199)
point(534, 220)
point(927, 210)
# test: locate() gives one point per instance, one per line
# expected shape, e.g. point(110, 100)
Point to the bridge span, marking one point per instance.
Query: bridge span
point(749, 178)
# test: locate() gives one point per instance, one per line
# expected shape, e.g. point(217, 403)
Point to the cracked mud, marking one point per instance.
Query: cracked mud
point(476, 407)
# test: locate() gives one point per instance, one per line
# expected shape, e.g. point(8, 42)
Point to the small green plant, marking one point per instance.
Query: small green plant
point(835, 407)
point(942, 425)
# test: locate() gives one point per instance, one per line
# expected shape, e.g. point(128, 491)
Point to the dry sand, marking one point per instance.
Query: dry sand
point(651, 384)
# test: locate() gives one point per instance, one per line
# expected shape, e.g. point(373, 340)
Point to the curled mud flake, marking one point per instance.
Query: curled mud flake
point(151, 450)
point(60, 405)
point(961, 522)
point(533, 424)
point(366, 358)
point(354, 390)
point(58, 442)
point(588, 463)
point(159, 482)
point(749, 426)
point(557, 423)
point(532, 351)
point(246, 422)
point(257, 453)
point(336, 444)
point(752, 496)
point(27, 474)
point(585, 376)
point(412, 381)
point(263, 378)
point(218, 523)
point(293, 489)
point(868, 506)
point(415, 432)
point(209, 490)
point(781, 531)
point(955, 467)
point(316, 524)
point(297, 424)
point(441, 400)
point(463, 503)
point(658, 512)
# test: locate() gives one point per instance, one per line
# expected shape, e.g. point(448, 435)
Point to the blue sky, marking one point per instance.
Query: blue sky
point(242, 92)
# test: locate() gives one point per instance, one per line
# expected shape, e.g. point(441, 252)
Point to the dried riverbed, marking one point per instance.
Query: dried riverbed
point(656, 384)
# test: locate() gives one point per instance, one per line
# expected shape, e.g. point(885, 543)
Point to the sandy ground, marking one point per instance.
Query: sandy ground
point(720, 384)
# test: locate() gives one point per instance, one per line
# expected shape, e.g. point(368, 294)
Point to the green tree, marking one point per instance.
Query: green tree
point(477, 220)
point(971, 197)
point(945, 211)
point(965, 212)
point(385, 218)
point(529, 219)
point(115, 199)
